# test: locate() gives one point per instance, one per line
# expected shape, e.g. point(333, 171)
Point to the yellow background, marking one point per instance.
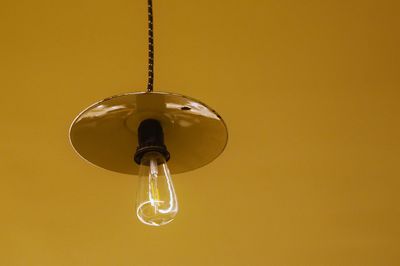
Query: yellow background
point(310, 92)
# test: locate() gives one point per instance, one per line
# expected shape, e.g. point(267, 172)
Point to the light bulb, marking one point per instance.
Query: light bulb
point(156, 199)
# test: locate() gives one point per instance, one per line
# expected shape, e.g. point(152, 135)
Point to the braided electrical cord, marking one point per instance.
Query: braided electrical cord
point(151, 47)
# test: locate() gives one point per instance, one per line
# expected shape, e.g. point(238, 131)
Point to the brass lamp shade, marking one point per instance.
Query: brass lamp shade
point(106, 133)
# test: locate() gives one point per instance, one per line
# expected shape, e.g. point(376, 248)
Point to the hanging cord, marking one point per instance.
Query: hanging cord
point(151, 47)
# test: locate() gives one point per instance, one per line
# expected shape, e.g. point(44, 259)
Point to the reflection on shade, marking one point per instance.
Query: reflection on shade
point(185, 123)
point(194, 108)
point(102, 110)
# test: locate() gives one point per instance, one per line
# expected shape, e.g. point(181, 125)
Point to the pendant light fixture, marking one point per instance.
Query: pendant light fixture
point(138, 133)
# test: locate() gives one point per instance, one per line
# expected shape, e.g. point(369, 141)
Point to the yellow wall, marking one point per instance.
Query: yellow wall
point(310, 91)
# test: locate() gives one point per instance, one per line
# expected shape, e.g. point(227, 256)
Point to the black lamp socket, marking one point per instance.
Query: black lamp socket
point(150, 139)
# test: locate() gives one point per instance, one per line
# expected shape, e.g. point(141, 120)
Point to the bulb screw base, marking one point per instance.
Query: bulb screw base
point(150, 139)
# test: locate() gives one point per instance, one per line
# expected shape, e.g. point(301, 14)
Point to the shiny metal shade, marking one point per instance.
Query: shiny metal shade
point(105, 134)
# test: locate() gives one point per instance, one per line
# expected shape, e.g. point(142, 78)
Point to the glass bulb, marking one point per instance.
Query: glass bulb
point(156, 199)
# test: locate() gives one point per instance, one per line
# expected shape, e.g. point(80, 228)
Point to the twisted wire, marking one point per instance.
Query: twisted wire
point(151, 46)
